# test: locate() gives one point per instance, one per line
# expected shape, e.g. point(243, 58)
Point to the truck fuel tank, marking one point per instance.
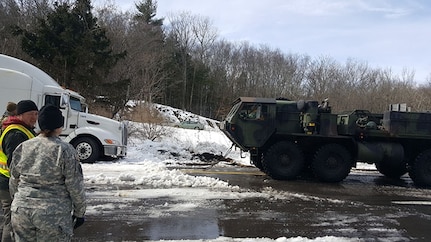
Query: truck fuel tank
point(374, 152)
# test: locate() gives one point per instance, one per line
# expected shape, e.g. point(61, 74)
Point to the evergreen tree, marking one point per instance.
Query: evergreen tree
point(147, 53)
point(147, 12)
point(71, 47)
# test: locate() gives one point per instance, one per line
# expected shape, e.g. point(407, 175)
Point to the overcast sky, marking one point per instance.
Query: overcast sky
point(393, 34)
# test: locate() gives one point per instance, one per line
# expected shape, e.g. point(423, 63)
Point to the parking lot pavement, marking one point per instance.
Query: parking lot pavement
point(365, 206)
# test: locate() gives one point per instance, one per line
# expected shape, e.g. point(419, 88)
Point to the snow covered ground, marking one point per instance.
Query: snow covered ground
point(152, 166)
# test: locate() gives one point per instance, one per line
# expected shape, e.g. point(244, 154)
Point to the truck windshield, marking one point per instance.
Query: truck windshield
point(253, 111)
point(75, 104)
point(53, 100)
point(233, 111)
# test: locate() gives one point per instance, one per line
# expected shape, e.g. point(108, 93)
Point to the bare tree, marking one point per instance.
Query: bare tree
point(22, 14)
point(9, 16)
point(320, 78)
point(148, 54)
point(205, 35)
point(182, 32)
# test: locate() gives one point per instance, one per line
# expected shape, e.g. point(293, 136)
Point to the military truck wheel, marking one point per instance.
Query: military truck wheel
point(283, 161)
point(420, 171)
point(87, 148)
point(332, 163)
point(257, 161)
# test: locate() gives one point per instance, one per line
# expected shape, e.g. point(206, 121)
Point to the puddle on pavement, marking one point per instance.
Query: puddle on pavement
point(246, 218)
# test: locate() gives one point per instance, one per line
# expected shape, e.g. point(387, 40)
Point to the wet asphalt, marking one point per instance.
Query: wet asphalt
point(365, 205)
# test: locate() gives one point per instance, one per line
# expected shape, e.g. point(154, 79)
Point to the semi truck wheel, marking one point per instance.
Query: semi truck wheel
point(283, 161)
point(332, 163)
point(420, 171)
point(87, 148)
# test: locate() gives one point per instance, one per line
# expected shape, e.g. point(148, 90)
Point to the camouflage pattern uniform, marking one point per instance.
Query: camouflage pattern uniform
point(47, 187)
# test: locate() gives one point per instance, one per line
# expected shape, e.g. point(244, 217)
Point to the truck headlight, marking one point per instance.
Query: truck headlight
point(110, 141)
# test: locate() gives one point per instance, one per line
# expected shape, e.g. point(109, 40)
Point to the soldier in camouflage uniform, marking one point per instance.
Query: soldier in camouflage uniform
point(46, 184)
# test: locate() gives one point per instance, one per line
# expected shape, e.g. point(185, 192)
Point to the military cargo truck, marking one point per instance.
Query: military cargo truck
point(286, 138)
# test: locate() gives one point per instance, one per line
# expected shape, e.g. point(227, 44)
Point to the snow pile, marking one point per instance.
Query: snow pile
point(146, 173)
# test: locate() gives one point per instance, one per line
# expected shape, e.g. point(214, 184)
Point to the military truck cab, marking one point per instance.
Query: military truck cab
point(251, 122)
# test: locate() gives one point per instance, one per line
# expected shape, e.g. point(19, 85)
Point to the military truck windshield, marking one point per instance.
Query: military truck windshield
point(232, 112)
point(253, 111)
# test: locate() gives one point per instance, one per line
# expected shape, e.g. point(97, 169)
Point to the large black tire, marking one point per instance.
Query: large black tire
point(283, 161)
point(88, 149)
point(392, 170)
point(420, 171)
point(257, 161)
point(332, 163)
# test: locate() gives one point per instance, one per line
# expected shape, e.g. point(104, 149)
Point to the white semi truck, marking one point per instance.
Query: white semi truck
point(93, 136)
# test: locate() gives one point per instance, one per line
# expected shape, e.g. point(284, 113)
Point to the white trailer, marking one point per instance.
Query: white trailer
point(93, 136)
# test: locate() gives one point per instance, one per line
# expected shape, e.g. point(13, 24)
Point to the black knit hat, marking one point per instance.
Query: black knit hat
point(25, 106)
point(50, 118)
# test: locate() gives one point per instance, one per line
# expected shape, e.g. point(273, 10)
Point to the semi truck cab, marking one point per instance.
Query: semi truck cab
point(93, 136)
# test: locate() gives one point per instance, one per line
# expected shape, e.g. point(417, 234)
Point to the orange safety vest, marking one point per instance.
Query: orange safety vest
point(4, 169)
